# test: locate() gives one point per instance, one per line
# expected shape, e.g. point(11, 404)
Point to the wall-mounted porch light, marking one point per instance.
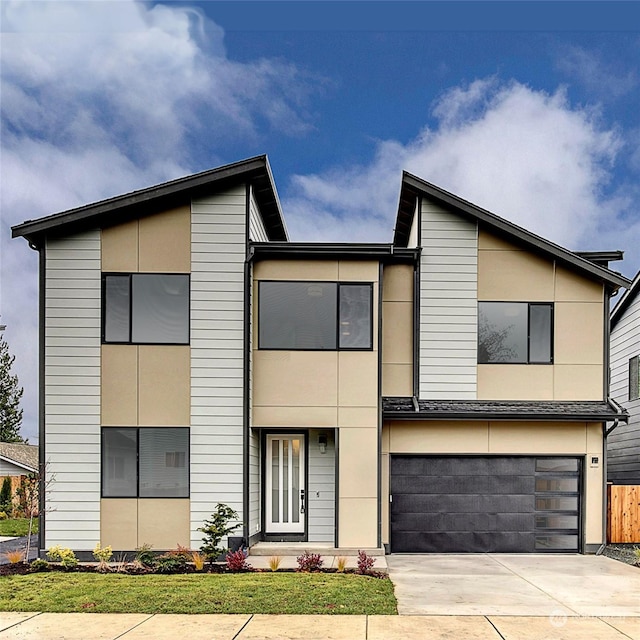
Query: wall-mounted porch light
point(322, 442)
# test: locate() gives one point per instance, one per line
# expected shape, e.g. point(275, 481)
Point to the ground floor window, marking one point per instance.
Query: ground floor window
point(145, 462)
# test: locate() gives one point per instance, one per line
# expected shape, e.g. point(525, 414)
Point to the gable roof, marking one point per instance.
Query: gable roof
point(414, 187)
point(255, 171)
point(623, 304)
point(22, 455)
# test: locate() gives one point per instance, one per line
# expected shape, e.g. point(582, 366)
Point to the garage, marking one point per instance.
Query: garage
point(485, 504)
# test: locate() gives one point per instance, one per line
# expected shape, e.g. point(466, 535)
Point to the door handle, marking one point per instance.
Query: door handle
point(301, 500)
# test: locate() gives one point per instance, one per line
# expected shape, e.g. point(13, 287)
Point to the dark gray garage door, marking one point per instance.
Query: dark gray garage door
point(473, 504)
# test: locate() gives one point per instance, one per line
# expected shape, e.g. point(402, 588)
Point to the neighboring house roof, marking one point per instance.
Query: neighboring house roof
point(587, 411)
point(413, 187)
point(624, 302)
point(146, 201)
point(22, 455)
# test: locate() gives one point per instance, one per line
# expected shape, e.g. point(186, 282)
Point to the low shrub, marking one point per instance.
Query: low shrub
point(64, 556)
point(145, 556)
point(102, 555)
point(170, 563)
point(38, 565)
point(365, 563)
point(309, 562)
point(14, 556)
point(237, 561)
point(198, 560)
point(274, 562)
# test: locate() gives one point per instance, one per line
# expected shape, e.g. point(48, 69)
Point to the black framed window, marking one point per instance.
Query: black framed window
point(315, 316)
point(145, 462)
point(145, 308)
point(515, 332)
point(634, 378)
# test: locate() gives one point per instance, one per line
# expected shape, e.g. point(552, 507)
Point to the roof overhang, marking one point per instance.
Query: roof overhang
point(494, 410)
point(16, 463)
point(624, 302)
point(413, 188)
point(332, 251)
point(255, 171)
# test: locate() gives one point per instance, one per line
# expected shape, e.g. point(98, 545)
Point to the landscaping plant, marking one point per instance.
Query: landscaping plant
point(274, 562)
point(216, 528)
point(64, 556)
point(102, 555)
point(309, 562)
point(6, 503)
point(341, 564)
point(365, 563)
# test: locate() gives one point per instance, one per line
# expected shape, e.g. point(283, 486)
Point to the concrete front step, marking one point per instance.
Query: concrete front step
point(298, 548)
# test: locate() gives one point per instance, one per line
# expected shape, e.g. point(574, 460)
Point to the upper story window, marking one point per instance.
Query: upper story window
point(145, 308)
point(515, 332)
point(147, 462)
point(315, 316)
point(634, 378)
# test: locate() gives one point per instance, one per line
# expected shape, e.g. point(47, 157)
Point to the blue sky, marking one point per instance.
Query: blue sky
point(529, 109)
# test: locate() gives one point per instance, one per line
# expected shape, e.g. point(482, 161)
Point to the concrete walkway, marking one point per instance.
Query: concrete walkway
point(96, 626)
point(548, 585)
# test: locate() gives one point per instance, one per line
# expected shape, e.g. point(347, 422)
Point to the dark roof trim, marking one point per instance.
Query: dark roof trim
point(603, 258)
point(624, 302)
point(332, 251)
point(414, 187)
point(254, 170)
point(543, 411)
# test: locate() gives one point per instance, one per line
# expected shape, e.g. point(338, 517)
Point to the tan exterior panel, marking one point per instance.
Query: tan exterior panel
point(358, 379)
point(533, 438)
point(119, 523)
point(515, 382)
point(119, 388)
point(574, 288)
point(397, 380)
point(490, 241)
point(397, 283)
point(438, 437)
point(356, 271)
point(578, 382)
point(165, 242)
point(358, 522)
point(296, 270)
point(357, 417)
point(397, 333)
point(514, 275)
point(579, 327)
point(163, 523)
point(295, 416)
point(358, 450)
point(119, 247)
point(165, 391)
point(295, 378)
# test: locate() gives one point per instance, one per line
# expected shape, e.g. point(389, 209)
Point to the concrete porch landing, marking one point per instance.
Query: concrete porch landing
point(260, 553)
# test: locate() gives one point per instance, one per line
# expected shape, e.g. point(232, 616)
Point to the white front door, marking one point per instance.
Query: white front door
point(285, 487)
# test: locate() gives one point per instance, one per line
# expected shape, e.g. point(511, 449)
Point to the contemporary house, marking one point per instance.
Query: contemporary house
point(447, 391)
point(624, 442)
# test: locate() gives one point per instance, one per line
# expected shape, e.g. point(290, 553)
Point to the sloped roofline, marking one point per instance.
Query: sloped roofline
point(255, 171)
point(623, 304)
point(413, 187)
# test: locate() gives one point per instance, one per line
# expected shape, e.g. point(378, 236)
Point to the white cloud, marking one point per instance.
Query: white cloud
point(526, 155)
point(100, 98)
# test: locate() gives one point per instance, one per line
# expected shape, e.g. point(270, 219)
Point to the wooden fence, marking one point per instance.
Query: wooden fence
point(623, 513)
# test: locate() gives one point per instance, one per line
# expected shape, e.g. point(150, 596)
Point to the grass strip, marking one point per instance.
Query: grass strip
point(286, 593)
point(17, 527)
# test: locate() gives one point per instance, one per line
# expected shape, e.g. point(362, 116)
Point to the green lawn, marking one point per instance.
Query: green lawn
point(294, 593)
point(17, 527)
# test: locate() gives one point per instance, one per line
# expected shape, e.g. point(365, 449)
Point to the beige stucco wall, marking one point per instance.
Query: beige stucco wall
point(307, 389)
point(508, 273)
point(397, 330)
point(501, 438)
point(146, 385)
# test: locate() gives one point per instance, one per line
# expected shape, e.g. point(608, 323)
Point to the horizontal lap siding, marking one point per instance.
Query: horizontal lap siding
point(257, 232)
point(217, 320)
point(624, 443)
point(72, 390)
point(448, 305)
point(321, 489)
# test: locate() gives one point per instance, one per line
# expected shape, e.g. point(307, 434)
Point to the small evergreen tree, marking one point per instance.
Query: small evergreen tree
point(6, 504)
point(10, 394)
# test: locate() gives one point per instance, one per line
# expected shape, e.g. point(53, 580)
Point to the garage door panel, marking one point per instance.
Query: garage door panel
point(510, 504)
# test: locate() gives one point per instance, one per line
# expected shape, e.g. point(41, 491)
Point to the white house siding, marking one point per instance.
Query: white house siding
point(321, 489)
point(257, 232)
point(72, 388)
point(9, 469)
point(218, 232)
point(624, 443)
point(254, 483)
point(448, 305)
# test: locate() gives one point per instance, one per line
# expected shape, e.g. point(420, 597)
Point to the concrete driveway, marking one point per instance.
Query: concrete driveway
point(556, 586)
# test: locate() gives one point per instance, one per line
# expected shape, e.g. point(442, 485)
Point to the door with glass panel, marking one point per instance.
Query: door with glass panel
point(285, 502)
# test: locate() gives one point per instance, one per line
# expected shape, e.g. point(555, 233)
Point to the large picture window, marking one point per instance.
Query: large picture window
point(145, 308)
point(315, 315)
point(515, 332)
point(145, 462)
